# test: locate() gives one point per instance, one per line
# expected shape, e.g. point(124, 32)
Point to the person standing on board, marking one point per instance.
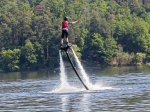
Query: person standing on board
point(65, 25)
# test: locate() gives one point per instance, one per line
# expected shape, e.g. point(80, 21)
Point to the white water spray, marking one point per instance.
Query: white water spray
point(86, 77)
point(84, 74)
point(64, 86)
point(63, 77)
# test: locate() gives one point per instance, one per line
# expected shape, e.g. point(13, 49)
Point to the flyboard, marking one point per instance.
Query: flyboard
point(65, 49)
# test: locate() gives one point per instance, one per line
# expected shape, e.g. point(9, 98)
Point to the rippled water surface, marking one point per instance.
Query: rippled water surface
point(119, 90)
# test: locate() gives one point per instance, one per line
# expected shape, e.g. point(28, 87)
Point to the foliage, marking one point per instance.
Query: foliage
point(100, 49)
point(139, 58)
point(122, 59)
point(39, 51)
point(10, 59)
point(28, 56)
point(104, 26)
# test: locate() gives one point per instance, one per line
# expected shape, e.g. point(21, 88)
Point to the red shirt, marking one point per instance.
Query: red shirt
point(65, 25)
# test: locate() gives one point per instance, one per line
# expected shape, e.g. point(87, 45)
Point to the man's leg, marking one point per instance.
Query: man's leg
point(61, 41)
point(67, 37)
point(62, 37)
point(67, 40)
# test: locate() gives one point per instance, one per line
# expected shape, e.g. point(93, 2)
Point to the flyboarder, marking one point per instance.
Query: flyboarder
point(65, 25)
point(63, 47)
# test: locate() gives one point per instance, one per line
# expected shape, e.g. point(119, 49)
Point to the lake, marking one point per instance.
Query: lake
point(120, 89)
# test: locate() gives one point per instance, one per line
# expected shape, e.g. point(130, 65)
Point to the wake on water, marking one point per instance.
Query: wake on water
point(66, 87)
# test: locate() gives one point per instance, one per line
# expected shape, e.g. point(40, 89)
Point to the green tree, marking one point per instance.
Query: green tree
point(93, 47)
point(10, 59)
point(28, 56)
point(110, 49)
point(39, 51)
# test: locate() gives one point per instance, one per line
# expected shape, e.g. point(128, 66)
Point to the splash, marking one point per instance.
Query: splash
point(64, 85)
point(86, 77)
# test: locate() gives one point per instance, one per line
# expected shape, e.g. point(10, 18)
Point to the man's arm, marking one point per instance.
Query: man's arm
point(73, 22)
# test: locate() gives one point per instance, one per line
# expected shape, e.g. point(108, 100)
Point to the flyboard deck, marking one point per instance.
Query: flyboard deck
point(65, 48)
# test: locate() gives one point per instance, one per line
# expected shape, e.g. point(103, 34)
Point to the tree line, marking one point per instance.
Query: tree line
point(108, 32)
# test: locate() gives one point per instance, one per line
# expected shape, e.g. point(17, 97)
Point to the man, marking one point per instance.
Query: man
point(65, 25)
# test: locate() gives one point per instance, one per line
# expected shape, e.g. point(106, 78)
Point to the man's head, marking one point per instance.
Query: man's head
point(66, 18)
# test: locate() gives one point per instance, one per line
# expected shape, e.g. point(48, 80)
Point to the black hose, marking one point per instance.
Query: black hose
point(76, 71)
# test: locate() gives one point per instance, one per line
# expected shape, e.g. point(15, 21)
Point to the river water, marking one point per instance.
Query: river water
point(125, 89)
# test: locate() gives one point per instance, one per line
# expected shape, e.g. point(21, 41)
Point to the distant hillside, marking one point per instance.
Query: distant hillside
point(108, 32)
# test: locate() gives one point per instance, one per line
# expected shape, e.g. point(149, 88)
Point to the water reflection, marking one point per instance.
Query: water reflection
point(75, 103)
point(14, 76)
point(64, 103)
point(86, 103)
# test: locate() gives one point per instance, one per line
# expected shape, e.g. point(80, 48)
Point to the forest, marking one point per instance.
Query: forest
point(108, 32)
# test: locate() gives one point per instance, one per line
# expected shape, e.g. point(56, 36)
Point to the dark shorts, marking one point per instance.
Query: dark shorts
point(64, 34)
